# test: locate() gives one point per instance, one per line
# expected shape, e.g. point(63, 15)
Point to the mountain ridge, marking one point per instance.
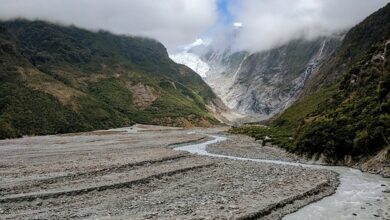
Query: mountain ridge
point(57, 79)
point(262, 83)
point(342, 116)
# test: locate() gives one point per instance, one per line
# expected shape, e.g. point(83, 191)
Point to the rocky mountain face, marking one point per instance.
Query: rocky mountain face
point(56, 79)
point(359, 39)
point(353, 121)
point(267, 82)
point(263, 83)
point(343, 114)
point(192, 61)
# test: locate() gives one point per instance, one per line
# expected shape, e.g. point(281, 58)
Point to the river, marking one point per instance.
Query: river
point(359, 196)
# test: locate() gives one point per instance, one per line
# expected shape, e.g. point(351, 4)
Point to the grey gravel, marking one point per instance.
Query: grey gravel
point(133, 174)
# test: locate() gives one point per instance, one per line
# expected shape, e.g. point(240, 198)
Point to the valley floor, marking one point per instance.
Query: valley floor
point(134, 173)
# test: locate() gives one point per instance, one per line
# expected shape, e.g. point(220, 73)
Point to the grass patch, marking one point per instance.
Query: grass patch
point(280, 136)
point(293, 116)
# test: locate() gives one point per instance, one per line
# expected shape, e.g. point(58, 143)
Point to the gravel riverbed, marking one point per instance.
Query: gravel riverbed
point(132, 173)
point(247, 147)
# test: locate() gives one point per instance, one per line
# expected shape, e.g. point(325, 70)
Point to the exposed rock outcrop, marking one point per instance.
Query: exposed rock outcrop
point(143, 95)
point(262, 83)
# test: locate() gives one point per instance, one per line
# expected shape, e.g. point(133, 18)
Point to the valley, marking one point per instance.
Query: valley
point(135, 173)
point(261, 84)
point(272, 112)
point(144, 172)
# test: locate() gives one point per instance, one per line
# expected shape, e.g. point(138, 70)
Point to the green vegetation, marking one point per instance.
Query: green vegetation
point(349, 111)
point(356, 120)
point(280, 136)
point(357, 41)
point(281, 129)
point(293, 116)
point(56, 79)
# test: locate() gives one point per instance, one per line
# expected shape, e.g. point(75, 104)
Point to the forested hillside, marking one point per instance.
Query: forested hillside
point(56, 79)
point(345, 108)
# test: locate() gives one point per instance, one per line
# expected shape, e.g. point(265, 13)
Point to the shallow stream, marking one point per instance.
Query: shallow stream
point(359, 195)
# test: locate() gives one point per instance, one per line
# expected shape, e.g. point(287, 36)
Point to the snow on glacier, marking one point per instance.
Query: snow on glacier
point(192, 61)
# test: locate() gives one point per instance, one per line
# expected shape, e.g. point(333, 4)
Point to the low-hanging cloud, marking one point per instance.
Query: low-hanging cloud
point(173, 22)
point(270, 23)
point(258, 24)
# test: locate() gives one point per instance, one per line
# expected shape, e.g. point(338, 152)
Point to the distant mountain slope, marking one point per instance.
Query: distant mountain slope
point(358, 40)
point(267, 82)
point(192, 61)
point(355, 120)
point(356, 46)
point(57, 79)
point(344, 114)
point(264, 83)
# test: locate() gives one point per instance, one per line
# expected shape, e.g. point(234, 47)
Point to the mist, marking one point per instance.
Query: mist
point(268, 23)
point(173, 22)
point(255, 25)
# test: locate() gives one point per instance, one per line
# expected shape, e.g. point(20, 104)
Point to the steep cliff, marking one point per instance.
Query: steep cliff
point(259, 84)
point(267, 82)
point(343, 115)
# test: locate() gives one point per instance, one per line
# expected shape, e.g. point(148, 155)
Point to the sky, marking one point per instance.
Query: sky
point(271, 23)
point(263, 24)
point(224, 15)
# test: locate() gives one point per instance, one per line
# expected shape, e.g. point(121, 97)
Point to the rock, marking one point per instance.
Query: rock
point(256, 82)
point(233, 207)
point(143, 95)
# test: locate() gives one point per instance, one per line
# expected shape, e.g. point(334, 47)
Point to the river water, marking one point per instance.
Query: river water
point(359, 195)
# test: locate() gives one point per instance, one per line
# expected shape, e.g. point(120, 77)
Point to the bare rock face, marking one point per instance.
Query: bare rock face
point(143, 95)
point(264, 83)
point(267, 82)
point(379, 164)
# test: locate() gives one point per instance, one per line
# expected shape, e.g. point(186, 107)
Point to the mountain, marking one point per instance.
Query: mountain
point(343, 115)
point(262, 83)
point(358, 40)
point(354, 120)
point(267, 82)
point(57, 79)
point(192, 61)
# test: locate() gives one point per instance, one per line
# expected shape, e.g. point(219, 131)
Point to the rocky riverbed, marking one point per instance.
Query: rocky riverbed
point(244, 146)
point(360, 195)
point(134, 173)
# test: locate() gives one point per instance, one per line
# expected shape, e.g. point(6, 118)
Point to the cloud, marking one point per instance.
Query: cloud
point(237, 24)
point(270, 23)
point(173, 22)
point(254, 24)
point(197, 42)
